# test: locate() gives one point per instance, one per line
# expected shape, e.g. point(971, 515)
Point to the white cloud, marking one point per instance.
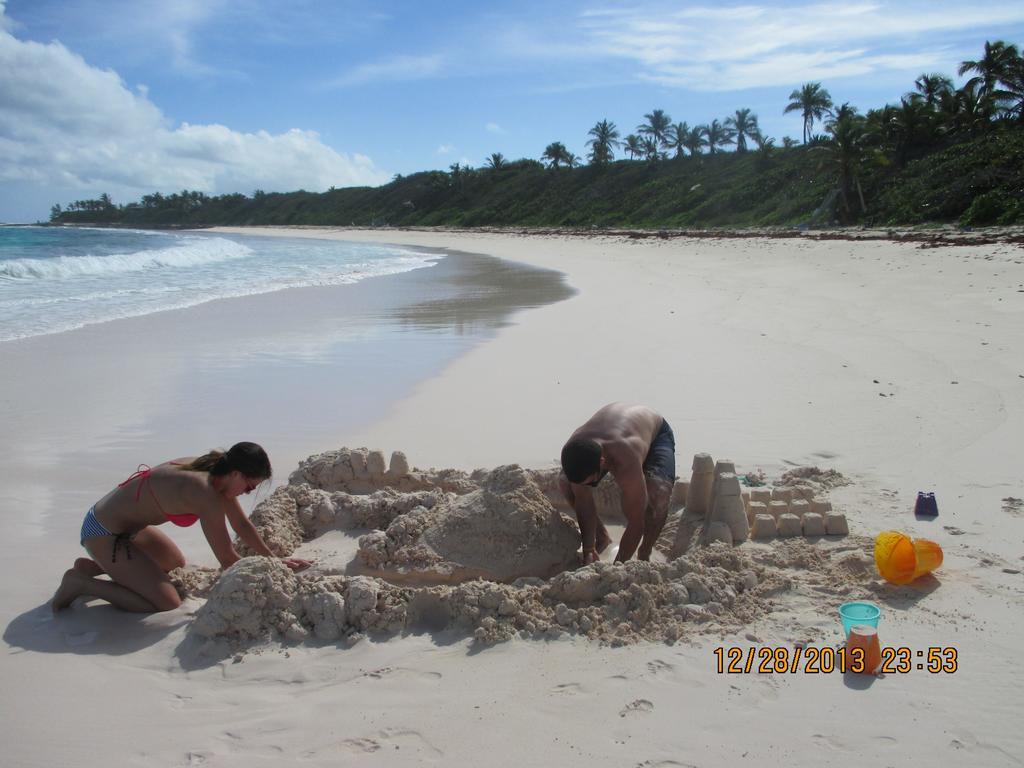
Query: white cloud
point(494, 128)
point(445, 149)
point(66, 124)
point(728, 48)
point(397, 68)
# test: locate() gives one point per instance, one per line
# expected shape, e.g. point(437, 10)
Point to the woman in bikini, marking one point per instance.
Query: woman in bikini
point(120, 530)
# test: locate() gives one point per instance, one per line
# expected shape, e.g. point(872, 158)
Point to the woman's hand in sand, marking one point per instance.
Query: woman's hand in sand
point(296, 564)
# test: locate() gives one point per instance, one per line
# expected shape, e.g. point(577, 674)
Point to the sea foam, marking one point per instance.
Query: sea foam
point(194, 252)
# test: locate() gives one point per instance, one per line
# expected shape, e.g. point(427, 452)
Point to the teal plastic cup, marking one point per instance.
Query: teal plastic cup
point(859, 613)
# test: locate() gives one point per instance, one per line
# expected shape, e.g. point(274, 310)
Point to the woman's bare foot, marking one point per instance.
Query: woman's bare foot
point(70, 588)
point(88, 567)
point(603, 540)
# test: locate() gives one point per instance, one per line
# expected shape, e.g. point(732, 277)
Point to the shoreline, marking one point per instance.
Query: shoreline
point(929, 235)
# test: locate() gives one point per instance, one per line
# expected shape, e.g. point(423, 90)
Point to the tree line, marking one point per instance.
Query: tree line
point(933, 115)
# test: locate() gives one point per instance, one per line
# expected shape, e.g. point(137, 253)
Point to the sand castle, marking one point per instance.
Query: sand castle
point(792, 508)
point(488, 553)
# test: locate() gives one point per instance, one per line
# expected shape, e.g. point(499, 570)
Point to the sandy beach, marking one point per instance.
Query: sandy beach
point(900, 367)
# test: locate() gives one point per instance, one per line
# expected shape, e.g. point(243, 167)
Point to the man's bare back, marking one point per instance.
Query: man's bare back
point(635, 444)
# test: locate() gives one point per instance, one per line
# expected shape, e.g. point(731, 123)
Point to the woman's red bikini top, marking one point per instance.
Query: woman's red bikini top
point(142, 475)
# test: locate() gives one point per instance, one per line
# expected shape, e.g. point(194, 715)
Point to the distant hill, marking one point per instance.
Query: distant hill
point(976, 181)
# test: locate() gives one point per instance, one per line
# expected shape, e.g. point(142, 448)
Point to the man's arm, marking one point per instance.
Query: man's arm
point(581, 499)
point(634, 501)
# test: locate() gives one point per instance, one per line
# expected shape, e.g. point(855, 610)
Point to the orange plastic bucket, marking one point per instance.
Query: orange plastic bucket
point(901, 559)
point(866, 638)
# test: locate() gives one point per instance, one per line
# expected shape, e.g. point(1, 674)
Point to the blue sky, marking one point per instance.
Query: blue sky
point(133, 96)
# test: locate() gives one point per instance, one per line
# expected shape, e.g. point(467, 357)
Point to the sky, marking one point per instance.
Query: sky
point(130, 97)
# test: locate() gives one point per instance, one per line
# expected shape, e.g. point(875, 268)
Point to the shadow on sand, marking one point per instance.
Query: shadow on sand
point(87, 629)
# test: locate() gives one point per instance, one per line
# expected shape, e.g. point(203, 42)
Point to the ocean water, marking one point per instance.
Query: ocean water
point(55, 279)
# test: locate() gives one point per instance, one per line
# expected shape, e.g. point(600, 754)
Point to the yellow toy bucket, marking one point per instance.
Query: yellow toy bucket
point(901, 559)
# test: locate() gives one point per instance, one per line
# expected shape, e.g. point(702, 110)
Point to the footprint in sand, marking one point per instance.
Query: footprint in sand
point(1013, 506)
point(567, 689)
point(831, 742)
point(401, 673)
point(363, 746)
point(659, 667)
point(640, 705)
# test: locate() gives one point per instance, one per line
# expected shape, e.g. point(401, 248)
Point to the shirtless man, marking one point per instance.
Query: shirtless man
point(637, 446)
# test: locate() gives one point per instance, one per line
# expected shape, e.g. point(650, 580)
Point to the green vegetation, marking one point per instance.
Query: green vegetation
point(940, 155)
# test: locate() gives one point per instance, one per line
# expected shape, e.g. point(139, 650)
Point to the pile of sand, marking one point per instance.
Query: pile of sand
point(501, 527)
point(259, 600)
point(487, 554)
point(812, 481)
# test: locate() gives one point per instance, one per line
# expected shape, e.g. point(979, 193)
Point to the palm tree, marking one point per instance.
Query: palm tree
point(764, 143)
point(813, 102)
point(556, 154)
point(605, 138)
point(765, 147)
point(905, 127)
point(695, 140)
point(967, 109)
point(1012, 91)
point(634, 146)
point(991, 68)
point(656, 127)
point(847, 150)
point(651, 150)
point(845, 110)
point(932, 87)
point(717, 135)
point(677, 135)
point(496, 161)
point(788, 142)
point(743, 124)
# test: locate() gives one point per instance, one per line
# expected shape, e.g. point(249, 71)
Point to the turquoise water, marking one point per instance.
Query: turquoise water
point(56, 279)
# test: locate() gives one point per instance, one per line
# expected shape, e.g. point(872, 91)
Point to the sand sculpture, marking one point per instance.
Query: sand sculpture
point(698, 498)
point(486, 553)
point(724, 513)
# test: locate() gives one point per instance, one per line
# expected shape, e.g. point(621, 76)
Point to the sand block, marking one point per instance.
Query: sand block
point(836, 525)
point(763, 495)
point(725, 465)
point(814, 524)
point(729, 510)
point(357, 459)
point(745, 495)
point(719, 531)
point(778, 508)
point(702, 462)
point(399, 464)
point(805, 492)
point(789, 525)
point(754, 509)
point(375, 464)
point(727, 484)
point(782, 494)
point(764, 527)
point(799, 507)
point(698, 495)
point(821, 507)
